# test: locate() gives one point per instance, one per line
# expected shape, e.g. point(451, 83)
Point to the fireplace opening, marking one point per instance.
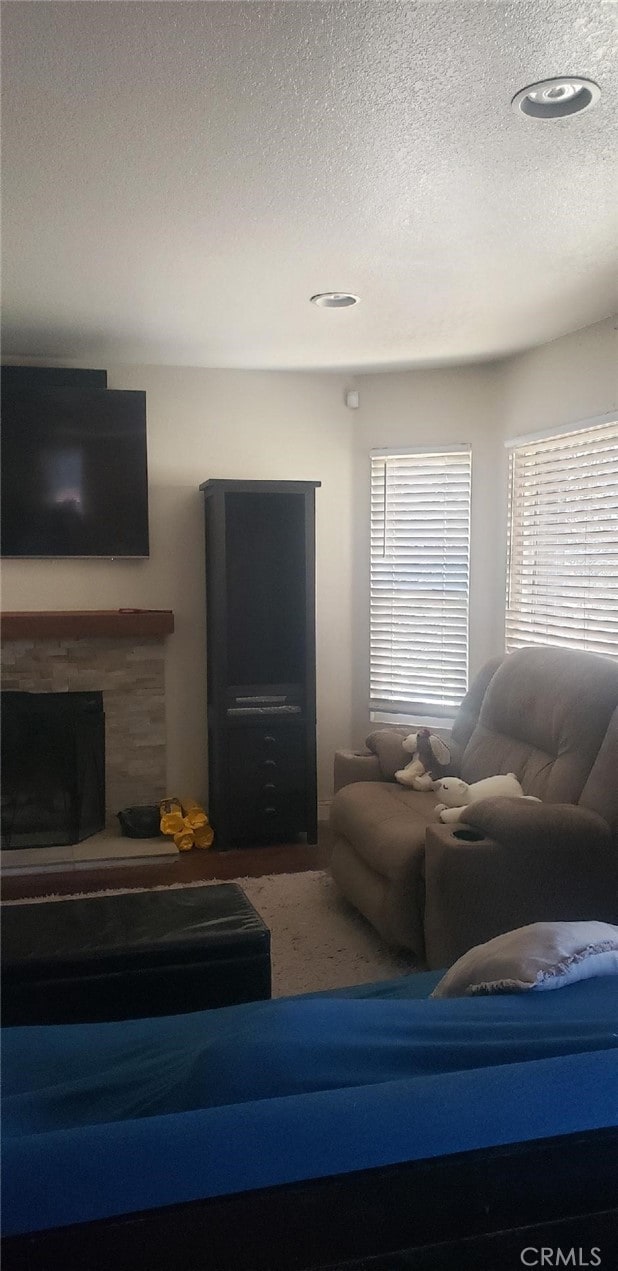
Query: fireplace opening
point(53, 768)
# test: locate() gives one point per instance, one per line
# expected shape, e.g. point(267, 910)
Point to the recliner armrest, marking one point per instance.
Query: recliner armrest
point(514, 822)
point(354, 765)
point(562, 868)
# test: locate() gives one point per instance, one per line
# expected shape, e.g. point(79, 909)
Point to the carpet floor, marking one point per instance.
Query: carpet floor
point(318, 941)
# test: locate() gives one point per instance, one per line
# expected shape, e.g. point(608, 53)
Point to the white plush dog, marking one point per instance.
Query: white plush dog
point(430, 760)
point(456, 794)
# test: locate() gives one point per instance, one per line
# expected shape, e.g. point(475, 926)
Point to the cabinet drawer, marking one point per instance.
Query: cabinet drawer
point(253, 819)
point(264, 757)
point(266, 771)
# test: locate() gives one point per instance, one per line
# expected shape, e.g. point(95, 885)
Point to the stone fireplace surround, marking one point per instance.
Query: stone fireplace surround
point(122, 654)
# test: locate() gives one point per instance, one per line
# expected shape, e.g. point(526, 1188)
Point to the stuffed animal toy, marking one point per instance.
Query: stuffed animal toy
point(456, 794)
point(430, 760)
point(186, 823)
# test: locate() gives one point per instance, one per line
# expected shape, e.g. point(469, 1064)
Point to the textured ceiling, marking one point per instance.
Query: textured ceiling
point(180, 178)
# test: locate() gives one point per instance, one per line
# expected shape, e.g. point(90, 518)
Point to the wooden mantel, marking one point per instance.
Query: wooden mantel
point(80, 624)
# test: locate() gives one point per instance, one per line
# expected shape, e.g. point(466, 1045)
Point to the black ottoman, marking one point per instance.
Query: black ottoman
point(141, 953)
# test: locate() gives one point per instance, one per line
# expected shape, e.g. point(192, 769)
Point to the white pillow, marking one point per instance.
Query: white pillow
point(543, 955)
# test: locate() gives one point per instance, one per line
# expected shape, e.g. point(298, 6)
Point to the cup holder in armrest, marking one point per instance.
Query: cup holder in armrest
point(469, 835)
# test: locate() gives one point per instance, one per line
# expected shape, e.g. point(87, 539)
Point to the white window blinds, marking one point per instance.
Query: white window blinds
point(420, 548)
point(562, 581)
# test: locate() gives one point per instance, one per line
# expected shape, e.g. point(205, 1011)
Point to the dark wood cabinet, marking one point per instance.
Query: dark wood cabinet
point(260, 621)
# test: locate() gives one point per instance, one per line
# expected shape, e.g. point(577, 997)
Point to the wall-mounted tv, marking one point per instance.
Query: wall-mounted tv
point(74, 469)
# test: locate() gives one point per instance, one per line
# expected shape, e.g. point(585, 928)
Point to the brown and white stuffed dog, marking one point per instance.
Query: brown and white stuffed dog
point(431, 760)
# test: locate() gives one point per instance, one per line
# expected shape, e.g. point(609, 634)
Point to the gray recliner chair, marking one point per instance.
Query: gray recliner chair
point(549, 715)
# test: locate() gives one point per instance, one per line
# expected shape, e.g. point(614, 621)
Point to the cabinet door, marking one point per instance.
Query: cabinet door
point(266, 772)
point(265, 588)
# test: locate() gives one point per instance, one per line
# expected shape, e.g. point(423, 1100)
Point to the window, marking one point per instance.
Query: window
point(420, 549)
point(562, 580)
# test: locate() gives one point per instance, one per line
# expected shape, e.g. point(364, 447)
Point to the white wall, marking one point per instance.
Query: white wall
point(573, 378)
point(205, 424)
point(417, 408)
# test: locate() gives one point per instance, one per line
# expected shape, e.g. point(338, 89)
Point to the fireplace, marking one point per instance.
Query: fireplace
point(53, 768)
point(118, 653)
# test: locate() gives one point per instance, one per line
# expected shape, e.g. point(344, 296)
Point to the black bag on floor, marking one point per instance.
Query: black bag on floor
point(141, 822)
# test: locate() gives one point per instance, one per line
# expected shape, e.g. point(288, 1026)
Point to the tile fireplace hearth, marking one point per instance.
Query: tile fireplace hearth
point(101, 851)
point(120, 654)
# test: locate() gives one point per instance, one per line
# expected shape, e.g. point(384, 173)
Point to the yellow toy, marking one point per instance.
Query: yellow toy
point(186, 823)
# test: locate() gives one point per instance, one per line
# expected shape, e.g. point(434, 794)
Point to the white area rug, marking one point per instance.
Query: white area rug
point(318, 941)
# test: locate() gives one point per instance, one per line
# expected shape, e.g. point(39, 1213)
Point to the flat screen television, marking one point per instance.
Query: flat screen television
point(74, 472)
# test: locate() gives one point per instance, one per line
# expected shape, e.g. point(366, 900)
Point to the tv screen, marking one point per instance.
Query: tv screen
point(74, 473)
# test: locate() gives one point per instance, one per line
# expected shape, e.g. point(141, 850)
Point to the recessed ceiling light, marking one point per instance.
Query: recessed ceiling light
point(334, 299)
point(556, 98)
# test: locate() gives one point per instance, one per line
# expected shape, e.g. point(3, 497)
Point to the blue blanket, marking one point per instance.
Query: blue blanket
point(101, 1119)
